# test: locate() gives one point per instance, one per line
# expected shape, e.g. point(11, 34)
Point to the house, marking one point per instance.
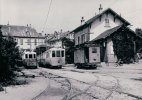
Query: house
point(26, 37)
point(94, 38)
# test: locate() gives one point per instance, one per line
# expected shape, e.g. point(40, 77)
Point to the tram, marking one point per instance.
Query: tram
point(52, 58)
point(29, 59)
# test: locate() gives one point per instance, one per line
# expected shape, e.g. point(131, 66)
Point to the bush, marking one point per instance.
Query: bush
point(1, 88)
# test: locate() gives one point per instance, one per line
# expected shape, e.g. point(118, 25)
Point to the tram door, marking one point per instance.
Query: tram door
point(94, 54)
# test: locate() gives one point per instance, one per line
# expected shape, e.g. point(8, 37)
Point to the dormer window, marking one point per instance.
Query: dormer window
point(107, 24)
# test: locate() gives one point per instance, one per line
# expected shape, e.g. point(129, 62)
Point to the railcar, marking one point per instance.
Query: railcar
point(52, 58)
point(29, 59)
point(87, 57)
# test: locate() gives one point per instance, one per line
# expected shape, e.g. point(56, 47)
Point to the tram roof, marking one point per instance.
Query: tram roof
point(29, 52)
point(56, 49)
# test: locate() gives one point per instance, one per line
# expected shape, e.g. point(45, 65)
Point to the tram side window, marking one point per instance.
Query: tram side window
point(26, 55)
point(62, 53)
point(94, 50)
point(30, 55)
point(53, 53)
point(58, 53)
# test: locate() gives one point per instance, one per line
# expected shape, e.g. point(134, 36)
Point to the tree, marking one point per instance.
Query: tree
point(69, 49)
point(139, 31)
point(9, 56)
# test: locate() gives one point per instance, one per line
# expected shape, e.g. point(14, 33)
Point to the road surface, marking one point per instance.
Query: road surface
point(106, 83)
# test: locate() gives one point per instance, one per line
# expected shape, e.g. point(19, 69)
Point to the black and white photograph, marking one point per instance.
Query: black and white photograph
point(70, 50)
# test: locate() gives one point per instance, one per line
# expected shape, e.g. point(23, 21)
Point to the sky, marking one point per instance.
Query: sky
point(64, 14)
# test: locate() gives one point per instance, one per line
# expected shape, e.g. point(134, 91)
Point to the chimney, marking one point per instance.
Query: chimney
point(30, 25)
point(61, 30)
point(8, 23)
point(42, 32)
point(100, 8)
point(82, 20)
point(9, 28)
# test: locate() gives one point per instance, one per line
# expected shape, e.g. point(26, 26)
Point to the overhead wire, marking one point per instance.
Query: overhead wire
point(47, 16)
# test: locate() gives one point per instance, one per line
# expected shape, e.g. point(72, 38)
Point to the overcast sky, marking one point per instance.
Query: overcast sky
point(64, 14)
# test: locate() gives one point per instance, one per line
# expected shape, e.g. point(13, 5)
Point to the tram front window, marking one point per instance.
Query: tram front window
point(34, 55)
point(62, 53)
point(26, 55)
point(30, 55)
point(53, 53)
point(58, 53)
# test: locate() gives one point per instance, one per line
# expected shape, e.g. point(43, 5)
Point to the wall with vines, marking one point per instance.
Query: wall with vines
point(123, 44)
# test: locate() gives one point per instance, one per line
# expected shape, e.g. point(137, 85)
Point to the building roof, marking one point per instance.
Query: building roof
point(109, 10)
point(109, 32)
point(59, 36)
point(19, 31)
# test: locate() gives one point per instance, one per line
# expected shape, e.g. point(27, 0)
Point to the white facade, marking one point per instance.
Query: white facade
point(100, 25)
point(55, 40)
point(94, 31)
point(28, 43)
point(27, 38)
point(57, 44)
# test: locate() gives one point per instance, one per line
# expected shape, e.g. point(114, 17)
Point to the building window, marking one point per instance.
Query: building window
point(78, 40)
point(28, 41)
point(107, 24)
point(35, 41)
point(86, 37)
point(94, 50)
point(21, 41)
point(81, 38)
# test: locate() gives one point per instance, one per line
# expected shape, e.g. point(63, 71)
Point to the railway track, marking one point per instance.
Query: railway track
point(74, 92)
point(66, 83)
point(110, 89)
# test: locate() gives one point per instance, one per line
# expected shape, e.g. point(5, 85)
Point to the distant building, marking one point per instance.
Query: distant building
point(26, 37)
point(93, 38)
point(56, 39)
